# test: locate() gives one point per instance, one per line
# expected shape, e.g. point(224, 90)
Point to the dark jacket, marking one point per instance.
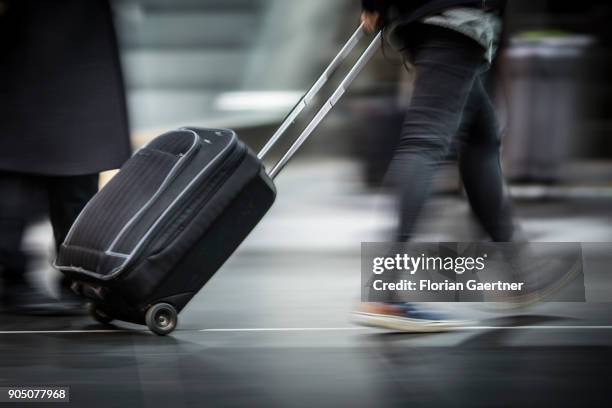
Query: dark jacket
point(383, 5)
point(409, 11)
point(62, 102)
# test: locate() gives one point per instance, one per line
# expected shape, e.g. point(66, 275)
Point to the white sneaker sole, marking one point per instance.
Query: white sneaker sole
point(405, 324)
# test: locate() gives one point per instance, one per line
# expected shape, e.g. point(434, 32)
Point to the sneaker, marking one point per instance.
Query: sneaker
point(405, 317)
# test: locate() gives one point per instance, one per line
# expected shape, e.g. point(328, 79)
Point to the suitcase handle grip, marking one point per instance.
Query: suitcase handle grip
point(313, 91)
point(329, 104)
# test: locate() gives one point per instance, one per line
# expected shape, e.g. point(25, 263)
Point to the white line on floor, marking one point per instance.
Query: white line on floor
point(535, 328)
point(61, 331)
point(284, 329)
point(302, 329)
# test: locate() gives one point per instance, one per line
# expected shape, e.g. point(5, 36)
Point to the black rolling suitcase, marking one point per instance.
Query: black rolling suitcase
point(158, 231)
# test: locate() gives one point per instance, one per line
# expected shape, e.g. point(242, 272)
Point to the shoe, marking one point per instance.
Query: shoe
point(543, 278)
point(405, 317)
point(23, 299)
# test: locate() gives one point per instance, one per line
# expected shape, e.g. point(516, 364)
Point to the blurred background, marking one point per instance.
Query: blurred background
point(242, 64)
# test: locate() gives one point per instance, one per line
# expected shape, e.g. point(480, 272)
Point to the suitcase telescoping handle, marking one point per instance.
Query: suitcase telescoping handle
point(314, 90)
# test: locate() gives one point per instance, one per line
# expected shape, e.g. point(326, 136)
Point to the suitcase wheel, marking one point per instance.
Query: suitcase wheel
point(98, 314)
point(161, 318)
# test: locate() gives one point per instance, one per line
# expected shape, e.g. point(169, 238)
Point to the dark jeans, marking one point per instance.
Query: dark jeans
point(449, 105)
point(21, 197)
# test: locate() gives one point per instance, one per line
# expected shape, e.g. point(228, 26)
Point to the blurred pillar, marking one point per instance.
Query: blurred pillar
point(543, 95)
point(296, 40)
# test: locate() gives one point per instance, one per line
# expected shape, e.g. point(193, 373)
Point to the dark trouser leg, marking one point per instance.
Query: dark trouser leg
point(447, 66)
point(18, 194)
point(479, 164)
point(67, 196)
